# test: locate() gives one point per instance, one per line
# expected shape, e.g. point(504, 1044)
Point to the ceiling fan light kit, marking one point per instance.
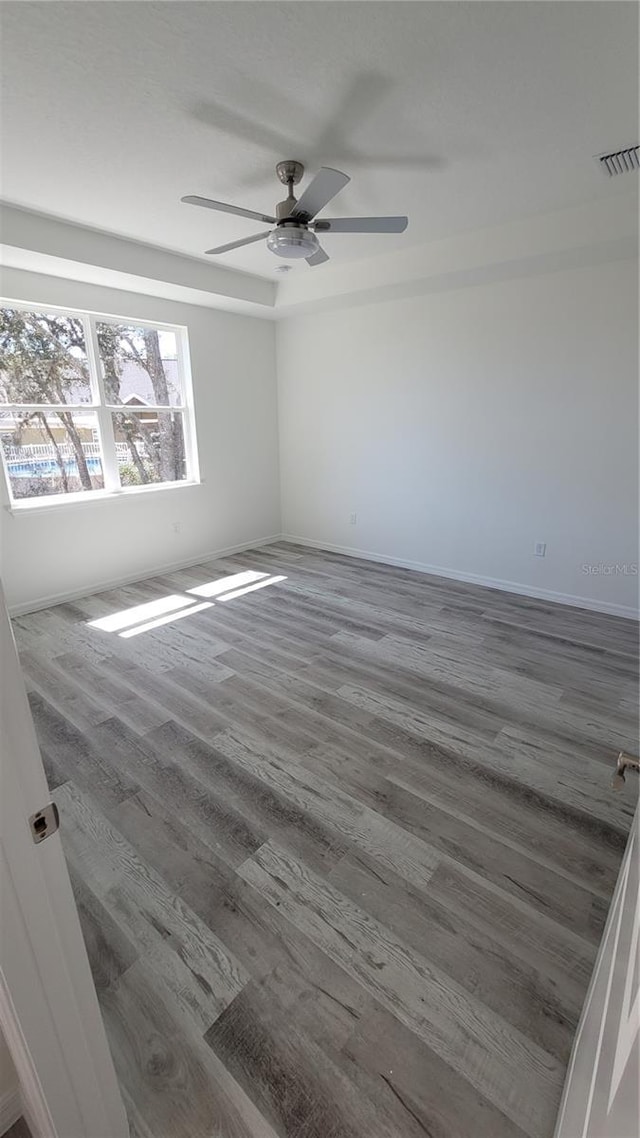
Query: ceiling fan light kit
point(292, 241)
point(292, 237)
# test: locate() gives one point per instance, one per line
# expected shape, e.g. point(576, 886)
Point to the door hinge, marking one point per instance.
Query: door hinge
point(44, 823)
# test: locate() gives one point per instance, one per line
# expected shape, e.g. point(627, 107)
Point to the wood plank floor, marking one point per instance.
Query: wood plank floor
point(19, 1130)
point(343, 844)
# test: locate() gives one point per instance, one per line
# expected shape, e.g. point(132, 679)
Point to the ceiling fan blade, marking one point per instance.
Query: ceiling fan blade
point(317, 258)
point(239, 244)
point(222, 207)
point(320, 190)
point(361, 224)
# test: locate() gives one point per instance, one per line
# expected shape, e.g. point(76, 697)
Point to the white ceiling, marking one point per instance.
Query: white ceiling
point(461, 115)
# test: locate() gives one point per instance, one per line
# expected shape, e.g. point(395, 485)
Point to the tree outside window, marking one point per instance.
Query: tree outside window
point(88, 404)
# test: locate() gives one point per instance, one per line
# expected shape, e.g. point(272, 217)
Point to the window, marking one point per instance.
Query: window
point(90, 404)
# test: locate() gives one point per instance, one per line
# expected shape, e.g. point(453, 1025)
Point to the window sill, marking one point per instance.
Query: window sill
point(85, 500)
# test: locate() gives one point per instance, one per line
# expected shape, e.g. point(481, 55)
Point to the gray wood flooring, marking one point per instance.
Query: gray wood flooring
point(342, 845)
point(18, 1130)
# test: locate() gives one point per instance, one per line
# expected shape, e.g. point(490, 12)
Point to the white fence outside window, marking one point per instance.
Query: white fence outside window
point(39, 451)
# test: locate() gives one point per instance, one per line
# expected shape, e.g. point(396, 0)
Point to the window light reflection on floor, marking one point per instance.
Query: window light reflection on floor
point(250, 588)
point(168, 619)
point(223, 584)
point(126, 617)
point(165, 610)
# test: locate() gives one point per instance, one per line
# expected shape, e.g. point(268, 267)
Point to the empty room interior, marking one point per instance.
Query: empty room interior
point(319, 436)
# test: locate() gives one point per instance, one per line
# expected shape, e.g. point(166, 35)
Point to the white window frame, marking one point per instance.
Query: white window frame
point(104, 411)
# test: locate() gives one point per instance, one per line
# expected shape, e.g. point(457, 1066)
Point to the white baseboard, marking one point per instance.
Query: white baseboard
point(589, 603)
point(472, 578)
point(118, 582)
point(10, 1109)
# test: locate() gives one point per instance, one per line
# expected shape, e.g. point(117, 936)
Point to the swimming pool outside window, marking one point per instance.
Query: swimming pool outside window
point(92, 405)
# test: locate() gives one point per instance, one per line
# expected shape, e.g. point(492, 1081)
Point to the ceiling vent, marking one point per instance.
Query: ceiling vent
point(620, 161)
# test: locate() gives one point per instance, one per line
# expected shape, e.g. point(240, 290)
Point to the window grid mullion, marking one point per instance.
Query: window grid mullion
point(105, 419)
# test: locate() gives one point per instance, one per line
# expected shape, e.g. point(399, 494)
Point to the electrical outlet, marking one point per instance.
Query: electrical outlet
point(175, 526)
point(540, 549)
point(353, 519)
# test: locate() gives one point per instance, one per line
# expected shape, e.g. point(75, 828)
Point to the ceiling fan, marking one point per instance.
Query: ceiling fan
point(295, 230)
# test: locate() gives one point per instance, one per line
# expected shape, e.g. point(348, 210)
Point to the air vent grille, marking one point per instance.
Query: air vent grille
point(620, 161)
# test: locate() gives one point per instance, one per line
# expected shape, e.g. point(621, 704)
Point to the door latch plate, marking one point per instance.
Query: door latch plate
point(44, 823)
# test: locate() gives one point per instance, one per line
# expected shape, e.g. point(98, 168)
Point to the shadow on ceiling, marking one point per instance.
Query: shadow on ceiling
point(330, 144)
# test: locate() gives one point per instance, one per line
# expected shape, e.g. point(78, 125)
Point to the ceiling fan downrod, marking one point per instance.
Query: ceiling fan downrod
point(289, 173)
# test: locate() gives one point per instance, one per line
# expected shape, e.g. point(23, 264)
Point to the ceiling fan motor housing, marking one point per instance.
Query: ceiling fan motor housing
point(283, 209)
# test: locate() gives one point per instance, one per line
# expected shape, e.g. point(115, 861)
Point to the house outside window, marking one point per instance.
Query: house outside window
point(92, 405)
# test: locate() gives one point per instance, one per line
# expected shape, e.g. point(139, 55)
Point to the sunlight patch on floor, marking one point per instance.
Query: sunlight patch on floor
point(126, 617)
point(224, 584)
point(168, 619)
point(250, 588)
point(165, 610)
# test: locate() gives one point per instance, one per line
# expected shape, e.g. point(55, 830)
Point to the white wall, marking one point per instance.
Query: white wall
point(52, 553)
point(463, 426)
point(481, 410)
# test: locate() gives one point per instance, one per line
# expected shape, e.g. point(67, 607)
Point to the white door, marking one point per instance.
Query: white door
point(48, 1005)
point(601, 1097)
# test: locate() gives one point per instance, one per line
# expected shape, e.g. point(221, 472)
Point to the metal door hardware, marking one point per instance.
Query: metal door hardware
point(44, 823)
